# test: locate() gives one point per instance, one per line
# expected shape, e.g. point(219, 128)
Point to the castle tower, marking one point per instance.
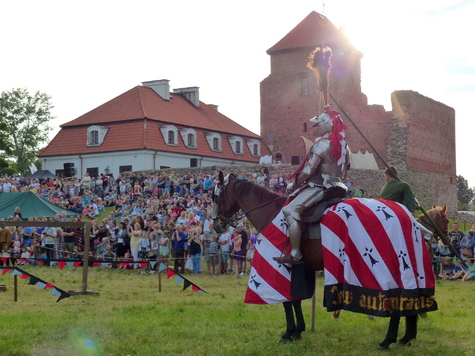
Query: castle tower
point(290, 95)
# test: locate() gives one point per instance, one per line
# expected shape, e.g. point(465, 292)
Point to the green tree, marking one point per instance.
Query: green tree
point(24, 125)
point(464, 193)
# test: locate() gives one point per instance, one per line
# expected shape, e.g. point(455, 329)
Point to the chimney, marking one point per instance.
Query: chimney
point(192, 94)
point(213, 106)
point(161, 87)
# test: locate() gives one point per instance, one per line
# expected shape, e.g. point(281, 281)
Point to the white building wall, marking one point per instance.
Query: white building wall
point(139, 160)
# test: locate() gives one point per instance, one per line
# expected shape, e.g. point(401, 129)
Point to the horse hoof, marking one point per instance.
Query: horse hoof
point(295, 336)
point(284, 341)
point(404, 341)
point(385, 344)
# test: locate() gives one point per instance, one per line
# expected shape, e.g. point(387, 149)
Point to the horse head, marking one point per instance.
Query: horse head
point(439, 216)
point(224, 208)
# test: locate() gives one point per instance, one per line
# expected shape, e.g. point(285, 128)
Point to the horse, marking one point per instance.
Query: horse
point(261, 206)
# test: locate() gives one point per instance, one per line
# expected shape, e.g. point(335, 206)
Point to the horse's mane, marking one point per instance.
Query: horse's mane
point(245, 188)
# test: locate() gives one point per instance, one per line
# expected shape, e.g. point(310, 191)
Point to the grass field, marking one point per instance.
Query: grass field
point(130, 317)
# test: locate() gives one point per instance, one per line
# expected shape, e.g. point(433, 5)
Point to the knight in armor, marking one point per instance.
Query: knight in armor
point(325, 164)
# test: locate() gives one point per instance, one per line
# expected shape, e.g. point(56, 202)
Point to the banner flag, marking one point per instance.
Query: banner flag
point(41, 285)
point(70, 265)
point(61, 265)
point(24, 276)
point(186, 284)
point(33, 280)
point(55, 292)
point(6, 270)
point(170, 273)
point(15, 272)
point(162, 267)
point(152, 264)
point(179, 279)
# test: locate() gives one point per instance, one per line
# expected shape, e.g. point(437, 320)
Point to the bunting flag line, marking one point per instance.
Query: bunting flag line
point(35, 280)
point(180, 278)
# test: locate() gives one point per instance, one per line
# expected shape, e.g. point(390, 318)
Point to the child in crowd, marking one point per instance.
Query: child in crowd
point(470, 273)
point(447, 268)
point(6, 255)
point(213, 255)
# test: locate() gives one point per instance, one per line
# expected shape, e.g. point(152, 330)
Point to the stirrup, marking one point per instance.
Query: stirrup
point(288, 258)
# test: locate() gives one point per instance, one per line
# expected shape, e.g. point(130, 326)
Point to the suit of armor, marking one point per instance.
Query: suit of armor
point(322, 170)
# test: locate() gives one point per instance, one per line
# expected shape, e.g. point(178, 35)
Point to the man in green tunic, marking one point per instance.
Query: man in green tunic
point(398, 190)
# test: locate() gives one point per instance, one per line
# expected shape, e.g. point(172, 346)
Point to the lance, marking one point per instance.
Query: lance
point(438, 232)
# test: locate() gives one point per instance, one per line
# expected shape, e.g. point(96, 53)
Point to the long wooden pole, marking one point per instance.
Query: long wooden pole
point(429, 219)
point(15, 288)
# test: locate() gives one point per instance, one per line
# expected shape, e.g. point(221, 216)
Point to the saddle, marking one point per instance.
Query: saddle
point(310, 219)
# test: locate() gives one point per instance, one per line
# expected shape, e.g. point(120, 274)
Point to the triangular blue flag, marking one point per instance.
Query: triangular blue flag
point(152, 264)
point(179, 279)
point(52, 263)
point(162, 267)
point(41, 285)
point(105, 264)
point(201, 291)
point(15, 272)
point(70, 264)
point(55, 292)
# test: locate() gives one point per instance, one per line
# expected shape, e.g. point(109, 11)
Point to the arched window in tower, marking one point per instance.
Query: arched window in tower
point(304, 85)
point(94, 137)
point(238, 147)
point(305, 127)
point(278, 158)
point(171, 137)
point(255, 149)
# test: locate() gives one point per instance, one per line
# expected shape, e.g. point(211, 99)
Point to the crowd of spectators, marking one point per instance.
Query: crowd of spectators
point(156, 217)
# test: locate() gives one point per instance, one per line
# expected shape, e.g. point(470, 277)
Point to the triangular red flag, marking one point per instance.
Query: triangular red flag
point(195, 288)
point(61, 265)
point(77, 263)
point(96, 264)
point(124, 264)
point(48, 285)
point(143, 264)
point(170, 273)
point(40, 261)
point(6, 270)
point(24, 276)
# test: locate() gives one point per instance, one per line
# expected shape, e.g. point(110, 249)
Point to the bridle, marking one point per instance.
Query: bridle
point(219, 198)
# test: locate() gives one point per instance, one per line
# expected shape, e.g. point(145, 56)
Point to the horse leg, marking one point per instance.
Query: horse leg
point(411, 330)
point(391, 336)
point(289, 317)
point(297, 304)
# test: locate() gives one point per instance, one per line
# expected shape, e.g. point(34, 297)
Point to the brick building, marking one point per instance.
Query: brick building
point(417, 136)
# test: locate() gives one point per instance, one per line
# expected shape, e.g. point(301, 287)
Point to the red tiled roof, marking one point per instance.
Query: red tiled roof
point(312, 31)
point(143, 102)
point(133, 119)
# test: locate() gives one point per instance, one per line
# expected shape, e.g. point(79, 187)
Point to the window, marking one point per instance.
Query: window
point(193, 162)
point(169, 133)
point(94, 138)
point(215, 144)
point(238, 147)
point(96, 135)
point(189, 137)
point(93, 172)
point(254, 146)
point(304, 85)
point(59, 173)
point(236, 144)
point(171, 138)
point(305, 127)
point(191, 140)
point(125, 169)
point(214, 141)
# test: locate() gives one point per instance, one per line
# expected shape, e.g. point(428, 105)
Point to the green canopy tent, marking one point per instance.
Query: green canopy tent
point(30, 205)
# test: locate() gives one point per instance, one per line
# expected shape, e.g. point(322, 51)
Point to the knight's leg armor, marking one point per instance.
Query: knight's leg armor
point(292, 213)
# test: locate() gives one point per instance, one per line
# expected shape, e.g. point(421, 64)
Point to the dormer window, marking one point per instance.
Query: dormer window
point(189, 137)
point(254, 147)
point(96, 135)
point(170, 135)
point(236, 144)
point(214, 141)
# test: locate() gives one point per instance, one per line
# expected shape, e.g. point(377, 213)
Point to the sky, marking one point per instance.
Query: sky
point(85, 53)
